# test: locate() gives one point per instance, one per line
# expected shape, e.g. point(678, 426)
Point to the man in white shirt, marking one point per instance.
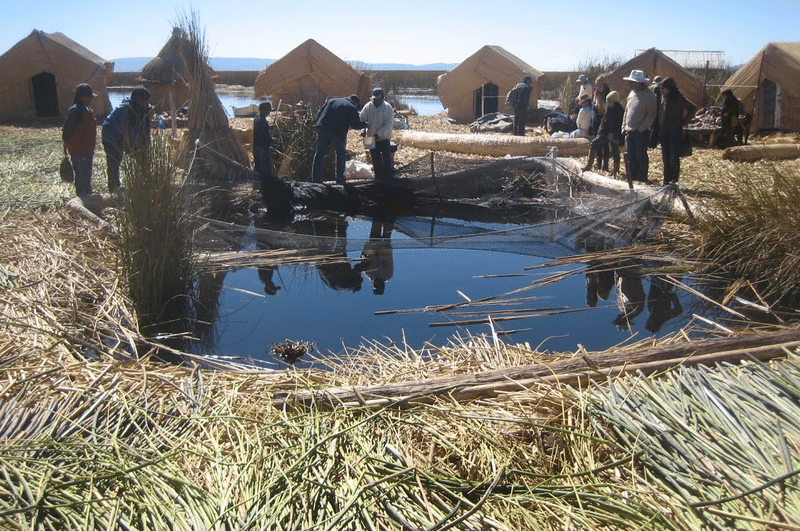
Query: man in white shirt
point(379, 116)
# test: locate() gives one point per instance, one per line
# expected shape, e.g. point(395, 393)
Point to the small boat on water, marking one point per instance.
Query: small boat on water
point(246, 111)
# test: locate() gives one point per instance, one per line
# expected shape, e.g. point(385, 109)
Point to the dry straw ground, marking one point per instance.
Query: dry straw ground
point(92, 439)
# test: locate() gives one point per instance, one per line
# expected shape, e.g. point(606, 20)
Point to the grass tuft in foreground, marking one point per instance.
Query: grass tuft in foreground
point(753, 233)
point(155, 232)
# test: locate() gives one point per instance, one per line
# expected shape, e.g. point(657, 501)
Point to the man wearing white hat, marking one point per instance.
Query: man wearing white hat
point(640, 113)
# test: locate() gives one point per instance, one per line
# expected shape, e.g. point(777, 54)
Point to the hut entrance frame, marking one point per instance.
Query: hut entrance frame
point(45, 95)
point(769, 116)
point(486, 99)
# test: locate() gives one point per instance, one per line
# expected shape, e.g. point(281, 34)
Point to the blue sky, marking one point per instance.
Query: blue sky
point(550, 36)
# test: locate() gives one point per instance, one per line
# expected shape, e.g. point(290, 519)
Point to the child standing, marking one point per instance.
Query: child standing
point(80, 136)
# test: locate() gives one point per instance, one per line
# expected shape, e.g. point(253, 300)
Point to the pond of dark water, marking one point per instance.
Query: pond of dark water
point(393, 289)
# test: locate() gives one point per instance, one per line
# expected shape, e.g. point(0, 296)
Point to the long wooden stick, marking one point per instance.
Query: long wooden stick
point(573, 371)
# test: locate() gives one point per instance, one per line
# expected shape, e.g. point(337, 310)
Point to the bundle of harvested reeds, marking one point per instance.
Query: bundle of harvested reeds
point(208, 124)
point(496, 145)
point(762, 151)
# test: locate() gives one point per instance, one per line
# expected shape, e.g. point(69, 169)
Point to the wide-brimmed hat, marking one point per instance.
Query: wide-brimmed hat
point(637, 76)
point(582, 79)
point(377, 93)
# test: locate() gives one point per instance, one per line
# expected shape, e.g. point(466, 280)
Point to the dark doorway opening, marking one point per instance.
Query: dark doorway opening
point(45, 95)
point(486, 100)
point(769, 106)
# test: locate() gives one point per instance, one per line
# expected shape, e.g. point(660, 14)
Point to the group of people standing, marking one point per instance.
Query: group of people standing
point(124, 130)
point(657, 112)
point(333, 120)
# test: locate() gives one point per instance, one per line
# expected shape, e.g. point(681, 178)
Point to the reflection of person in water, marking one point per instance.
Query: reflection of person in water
point(337, 274)
point(265, 275)
point(599, 281)
point(630, 296)
point(662, 303)
point(377, 260)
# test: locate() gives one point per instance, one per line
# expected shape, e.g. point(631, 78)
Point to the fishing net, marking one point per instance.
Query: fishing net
point(563, 214)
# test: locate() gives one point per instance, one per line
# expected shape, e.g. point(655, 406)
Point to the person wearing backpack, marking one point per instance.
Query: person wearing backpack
point(80, 137)
point(519, 98)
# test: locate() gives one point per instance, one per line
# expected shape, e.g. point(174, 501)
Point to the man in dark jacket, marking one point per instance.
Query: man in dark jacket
point(125, 130)
point(334, 119)
point(262, 142)
point(523, 89)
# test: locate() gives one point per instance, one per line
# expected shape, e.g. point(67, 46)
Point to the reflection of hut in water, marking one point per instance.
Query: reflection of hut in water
point(310, 73)
point(38, 76)
point(165, 75)
point(655, 63)
point(479, 85)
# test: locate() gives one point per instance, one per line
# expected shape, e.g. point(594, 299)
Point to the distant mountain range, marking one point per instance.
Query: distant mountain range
point(247, 64)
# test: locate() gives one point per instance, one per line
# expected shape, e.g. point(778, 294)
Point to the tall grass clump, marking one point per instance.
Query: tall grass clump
point(753, 234)
point(155, 232)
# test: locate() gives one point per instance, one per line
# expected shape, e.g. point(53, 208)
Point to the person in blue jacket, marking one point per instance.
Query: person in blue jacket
point(126, 129)
point(334, 119)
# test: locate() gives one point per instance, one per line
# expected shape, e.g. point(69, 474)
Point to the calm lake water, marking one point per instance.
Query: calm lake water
point(424, 105)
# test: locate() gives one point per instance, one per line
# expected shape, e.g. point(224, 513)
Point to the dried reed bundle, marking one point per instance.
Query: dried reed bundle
point(495, 145)
point(208, 123)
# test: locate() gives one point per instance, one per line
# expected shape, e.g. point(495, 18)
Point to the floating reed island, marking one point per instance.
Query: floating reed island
point(97, 431)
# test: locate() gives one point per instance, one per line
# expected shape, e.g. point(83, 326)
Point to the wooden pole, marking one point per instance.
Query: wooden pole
point(572, 371)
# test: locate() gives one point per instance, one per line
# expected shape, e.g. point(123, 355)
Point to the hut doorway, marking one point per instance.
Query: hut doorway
point(769, 115)
point(45, 95)
point(486, 100)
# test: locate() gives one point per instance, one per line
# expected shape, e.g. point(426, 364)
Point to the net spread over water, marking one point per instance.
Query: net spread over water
point(561, 214)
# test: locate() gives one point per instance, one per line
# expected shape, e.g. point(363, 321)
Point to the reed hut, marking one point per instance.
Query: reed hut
point(655, 63)
point(479, 85)
point(310, 73)
point(38, 76)
point(769, 87)
point(165, 75)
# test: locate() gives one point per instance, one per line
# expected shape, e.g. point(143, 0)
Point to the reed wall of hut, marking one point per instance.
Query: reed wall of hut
point(655, 63)
point(479, 84)
point(312, 74)
point(768, 86)
point(39, 74)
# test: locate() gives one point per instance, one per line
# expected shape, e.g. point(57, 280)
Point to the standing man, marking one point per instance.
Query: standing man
point(640, 113)
point(523, 89)
point(262, 142)
point(334, 119)
point(379, 116)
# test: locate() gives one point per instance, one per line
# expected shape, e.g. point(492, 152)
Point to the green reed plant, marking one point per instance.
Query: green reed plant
point(753, 234)
point(155, 231)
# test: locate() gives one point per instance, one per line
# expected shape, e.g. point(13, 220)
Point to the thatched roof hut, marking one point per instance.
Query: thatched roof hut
point(768, 86)
point(38, 76)
point(310, 73)
point(655, 63)
point(165, 76)
point(480, 83)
